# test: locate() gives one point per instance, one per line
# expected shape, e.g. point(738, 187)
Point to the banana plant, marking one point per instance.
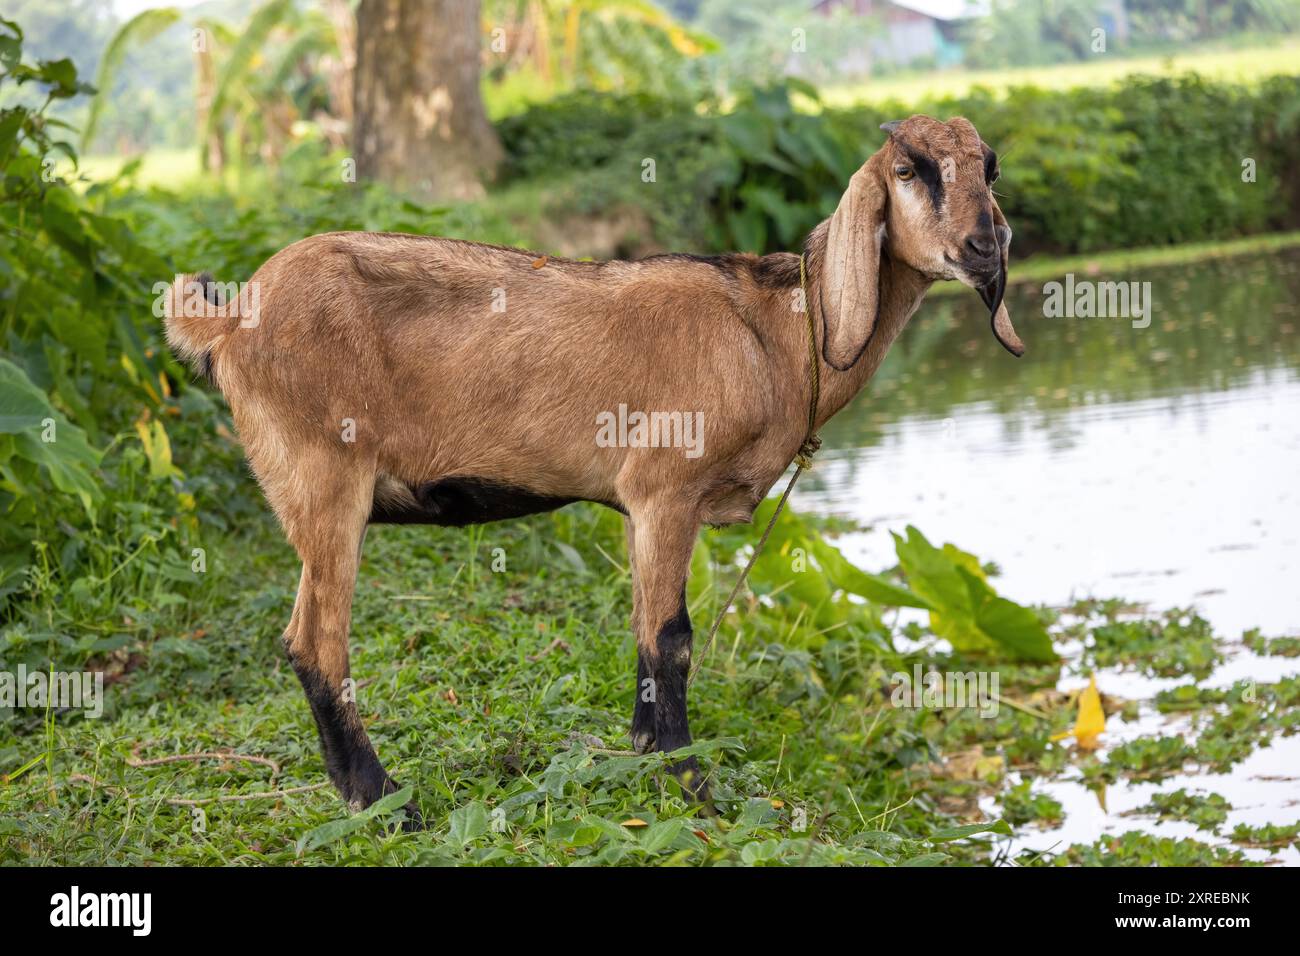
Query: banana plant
point(137, 31)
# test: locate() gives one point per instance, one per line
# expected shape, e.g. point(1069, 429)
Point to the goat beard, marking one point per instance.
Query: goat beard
point(992, 294)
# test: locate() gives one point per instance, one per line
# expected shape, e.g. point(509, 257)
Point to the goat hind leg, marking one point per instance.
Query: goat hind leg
point(328, 539)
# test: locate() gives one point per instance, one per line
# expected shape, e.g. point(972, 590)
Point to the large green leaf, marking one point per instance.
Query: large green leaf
point(800, 565)
point(27, 415)
point(847, 576)
point(964, 608)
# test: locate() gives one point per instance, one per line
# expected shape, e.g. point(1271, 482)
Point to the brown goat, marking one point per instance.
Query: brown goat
point(381, 378)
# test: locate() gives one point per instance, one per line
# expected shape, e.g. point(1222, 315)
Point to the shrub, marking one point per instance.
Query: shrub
point(1148, 162)
point(94, 509)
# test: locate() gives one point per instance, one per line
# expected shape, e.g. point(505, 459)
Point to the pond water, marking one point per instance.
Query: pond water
point(1159, 465)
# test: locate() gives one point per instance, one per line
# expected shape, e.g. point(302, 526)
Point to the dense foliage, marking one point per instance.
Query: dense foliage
point(1020, 32)
point(98, 520)
point(1150, 162)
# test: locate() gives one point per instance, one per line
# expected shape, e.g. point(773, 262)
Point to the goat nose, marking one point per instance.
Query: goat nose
point(982, 245)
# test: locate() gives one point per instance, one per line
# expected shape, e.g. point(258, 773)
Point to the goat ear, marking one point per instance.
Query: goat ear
point(850, 280)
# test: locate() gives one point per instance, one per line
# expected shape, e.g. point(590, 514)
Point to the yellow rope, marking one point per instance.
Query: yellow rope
point(802, 461)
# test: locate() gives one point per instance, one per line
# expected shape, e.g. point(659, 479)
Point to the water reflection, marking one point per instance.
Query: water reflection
point(1158, 464)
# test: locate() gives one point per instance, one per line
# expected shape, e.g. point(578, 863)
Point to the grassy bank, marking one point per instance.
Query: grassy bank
point(502, 698)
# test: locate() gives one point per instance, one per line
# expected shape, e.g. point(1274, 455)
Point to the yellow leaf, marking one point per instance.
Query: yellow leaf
point(1091, 720)
point(146, 436)
point(157, 448)
point(635, 822)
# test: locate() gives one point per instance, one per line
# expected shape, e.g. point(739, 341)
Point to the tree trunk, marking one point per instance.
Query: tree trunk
point(419, 122)
point(342, 71)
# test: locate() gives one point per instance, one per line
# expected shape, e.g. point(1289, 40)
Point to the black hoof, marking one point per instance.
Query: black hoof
point(368, 783)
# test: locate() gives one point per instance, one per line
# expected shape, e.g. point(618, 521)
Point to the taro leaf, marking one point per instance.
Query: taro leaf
point(828, 571)
point(844, 574)
point(964, 608)
point(933, 576)
point(1010, 624)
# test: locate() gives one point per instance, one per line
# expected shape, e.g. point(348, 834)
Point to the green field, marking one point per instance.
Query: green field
point(1237, 65)
point(169, 168)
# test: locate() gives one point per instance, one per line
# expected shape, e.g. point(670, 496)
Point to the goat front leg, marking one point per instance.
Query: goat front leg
point(661, 559)
point(328, 539)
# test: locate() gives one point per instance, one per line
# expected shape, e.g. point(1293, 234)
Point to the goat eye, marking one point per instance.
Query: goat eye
point(905, 173)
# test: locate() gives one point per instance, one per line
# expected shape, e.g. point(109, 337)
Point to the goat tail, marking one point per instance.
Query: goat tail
point(200, 312)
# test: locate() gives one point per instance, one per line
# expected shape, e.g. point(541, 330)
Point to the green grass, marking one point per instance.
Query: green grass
point(169, 168)
point(483, 692)
point(1241, 65)
point(497, 696)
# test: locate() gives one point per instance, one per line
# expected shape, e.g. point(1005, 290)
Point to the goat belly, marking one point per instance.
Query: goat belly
point(456, 502)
